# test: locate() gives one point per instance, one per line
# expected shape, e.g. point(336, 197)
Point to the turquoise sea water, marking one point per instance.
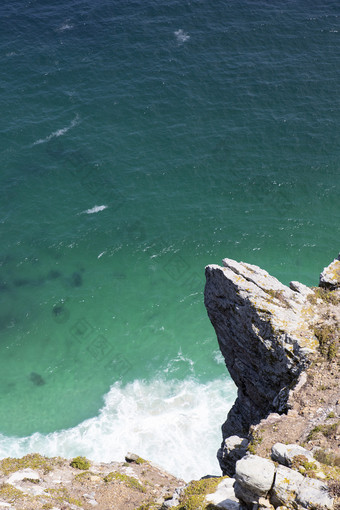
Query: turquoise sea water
point(139, 142)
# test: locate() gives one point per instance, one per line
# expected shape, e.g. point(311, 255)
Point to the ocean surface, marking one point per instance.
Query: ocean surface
point(141, 141)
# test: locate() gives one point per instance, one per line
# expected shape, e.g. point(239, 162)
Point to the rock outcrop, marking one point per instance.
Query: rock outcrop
point(260, 479)
point(330, 276)
point(41, 483)
point(267, 333)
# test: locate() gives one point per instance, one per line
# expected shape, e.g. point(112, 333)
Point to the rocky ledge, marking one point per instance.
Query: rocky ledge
point(35, 482)
point(281, 347)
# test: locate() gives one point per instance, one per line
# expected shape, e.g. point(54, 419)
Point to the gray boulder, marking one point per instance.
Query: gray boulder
point(292, 489)
point(313, 493)
point(254, 478)
point(286, 486)
point(285, 453)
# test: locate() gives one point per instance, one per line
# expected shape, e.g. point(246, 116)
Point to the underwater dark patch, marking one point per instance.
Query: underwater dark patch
point(21, 282)
point(53, 274)
point(76, 279)
point(60, 313)
point(57, 310)
point(36, 379)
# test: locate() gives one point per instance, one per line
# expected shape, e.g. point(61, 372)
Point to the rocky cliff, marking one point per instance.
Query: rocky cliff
point(277, 341)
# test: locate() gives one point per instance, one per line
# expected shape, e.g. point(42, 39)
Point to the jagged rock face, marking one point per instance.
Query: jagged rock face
point(330, 276)
point(263, 329)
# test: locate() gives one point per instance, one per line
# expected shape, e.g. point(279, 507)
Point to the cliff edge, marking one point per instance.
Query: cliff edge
point(277, 342)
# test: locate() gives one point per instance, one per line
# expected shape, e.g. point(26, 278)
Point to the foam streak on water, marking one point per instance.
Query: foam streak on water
point(59, 132)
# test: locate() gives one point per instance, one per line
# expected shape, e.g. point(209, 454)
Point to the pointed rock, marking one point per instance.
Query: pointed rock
point(330, 276)
point(263, 329)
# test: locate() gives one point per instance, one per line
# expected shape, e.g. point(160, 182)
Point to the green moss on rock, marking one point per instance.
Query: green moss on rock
point(193, 496)
point(129, 481)
point(328, 338)
point(10, 493)
point(32, 461)
point(326, 430)
point(80, 463)
point(61, 495)
point(328, 296)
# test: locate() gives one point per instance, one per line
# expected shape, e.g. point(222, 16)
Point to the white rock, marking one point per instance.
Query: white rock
point(19, 476)
point(17, 479)
point(301, 382)
point(301, 288)
point(330, 276)
point(285, 453)
point(90, 499)
point(286, 486)
point(312, 493)
point(235, 443)
point(174, 501)
point(255, 474)
point(224, 496)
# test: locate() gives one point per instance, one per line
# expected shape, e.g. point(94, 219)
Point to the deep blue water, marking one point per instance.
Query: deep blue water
point(139, 142)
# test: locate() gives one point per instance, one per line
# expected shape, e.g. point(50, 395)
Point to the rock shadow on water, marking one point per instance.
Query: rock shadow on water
point(36, 379)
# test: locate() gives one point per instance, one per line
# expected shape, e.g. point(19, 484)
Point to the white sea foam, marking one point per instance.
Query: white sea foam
point(95, 209)
point(181, 36)
point(176, 363)
point(65, 26)
point(59, 132)
point(218, 357)
point(173, 424)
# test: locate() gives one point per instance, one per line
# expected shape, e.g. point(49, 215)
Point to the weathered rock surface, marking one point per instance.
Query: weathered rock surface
point(258, 478)
point(281, 346)
point(232, 450)
point(224, 497)
point(35, 482)
point(254, 478)
point(263, 329)
point(285, 453)
point(330, 276)
point(314, 494)
point(287, 484)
